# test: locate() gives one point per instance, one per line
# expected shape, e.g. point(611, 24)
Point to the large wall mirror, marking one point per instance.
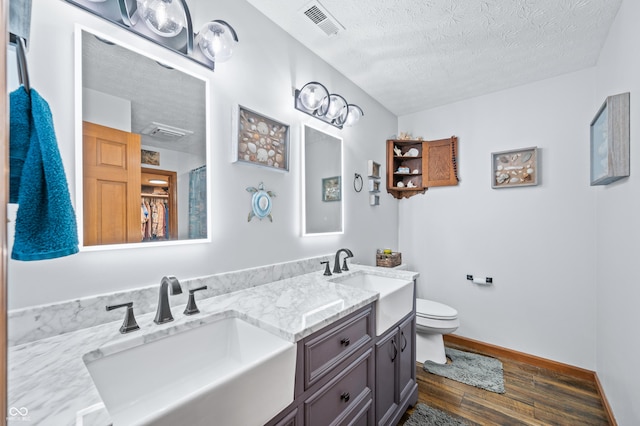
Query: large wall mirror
point(142, 147)
point(322, 183)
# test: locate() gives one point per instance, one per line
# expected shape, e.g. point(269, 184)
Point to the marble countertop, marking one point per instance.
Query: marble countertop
point(50, 385)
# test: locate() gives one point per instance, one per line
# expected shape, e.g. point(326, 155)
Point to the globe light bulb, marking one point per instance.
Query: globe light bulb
point(314, 96)
point(216, 41)
point(337, 108)
point(164, 17)
point(355, 114)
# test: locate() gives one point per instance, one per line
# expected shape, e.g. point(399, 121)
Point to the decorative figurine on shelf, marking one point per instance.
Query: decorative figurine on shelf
point(410, 184)
point(405, 136)
point(397, 151)
point(260, 203)
point(412, 153)
point(400, 184)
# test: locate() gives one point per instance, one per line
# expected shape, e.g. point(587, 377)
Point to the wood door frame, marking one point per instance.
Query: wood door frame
point(172, 178)
point(4, 199)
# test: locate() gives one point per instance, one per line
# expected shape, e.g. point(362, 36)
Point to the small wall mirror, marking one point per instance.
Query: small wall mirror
point(322, 184)
point(142, 147)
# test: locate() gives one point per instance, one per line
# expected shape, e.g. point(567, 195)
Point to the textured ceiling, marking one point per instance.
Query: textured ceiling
point(412, 55)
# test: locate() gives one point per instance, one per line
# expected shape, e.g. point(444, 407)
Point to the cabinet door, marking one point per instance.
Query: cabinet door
point(386, 383)
point(439, 162)
point(291, 419)
point(406, 358)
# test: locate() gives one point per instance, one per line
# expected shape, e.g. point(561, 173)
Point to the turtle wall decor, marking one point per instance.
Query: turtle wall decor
point(260, 202)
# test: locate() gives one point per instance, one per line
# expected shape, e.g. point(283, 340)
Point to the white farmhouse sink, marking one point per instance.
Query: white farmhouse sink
point(228, 372)
point(395, 296)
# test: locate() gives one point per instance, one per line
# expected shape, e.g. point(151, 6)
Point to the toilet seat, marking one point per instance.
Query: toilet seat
point(433, 310)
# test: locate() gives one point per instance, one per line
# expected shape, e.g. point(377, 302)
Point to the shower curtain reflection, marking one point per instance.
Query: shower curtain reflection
point(198, 202)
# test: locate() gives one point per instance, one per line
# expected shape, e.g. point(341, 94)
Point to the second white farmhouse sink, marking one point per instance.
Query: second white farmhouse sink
point(227, 372)
point(395, 299)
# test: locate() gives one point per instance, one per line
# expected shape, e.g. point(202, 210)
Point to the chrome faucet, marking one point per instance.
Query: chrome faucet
point(336, 264)
point(163, 314)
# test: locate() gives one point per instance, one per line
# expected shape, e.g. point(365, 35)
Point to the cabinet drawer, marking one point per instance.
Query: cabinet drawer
point(343, 397)
point(325, 351)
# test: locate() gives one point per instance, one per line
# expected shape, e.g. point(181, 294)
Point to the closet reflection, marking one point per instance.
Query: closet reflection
point(143, 148)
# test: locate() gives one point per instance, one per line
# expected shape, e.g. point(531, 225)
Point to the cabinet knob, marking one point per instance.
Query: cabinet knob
point(345, 397)
point(345, 341)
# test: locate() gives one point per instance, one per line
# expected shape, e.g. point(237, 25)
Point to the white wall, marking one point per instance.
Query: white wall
point(618, 231)
point(266, 65)
point(537, 242)
point(106, 110)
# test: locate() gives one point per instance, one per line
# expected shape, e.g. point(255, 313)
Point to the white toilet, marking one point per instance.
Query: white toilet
point(433, 320)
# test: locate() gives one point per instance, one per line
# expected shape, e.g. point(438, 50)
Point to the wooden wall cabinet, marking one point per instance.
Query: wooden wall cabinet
point(413, 166)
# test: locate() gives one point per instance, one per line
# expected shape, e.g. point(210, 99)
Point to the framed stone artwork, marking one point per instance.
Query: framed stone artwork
point(260, 140)
point(514, 168)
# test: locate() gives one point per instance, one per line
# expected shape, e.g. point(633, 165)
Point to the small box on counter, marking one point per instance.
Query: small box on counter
point(388, 260)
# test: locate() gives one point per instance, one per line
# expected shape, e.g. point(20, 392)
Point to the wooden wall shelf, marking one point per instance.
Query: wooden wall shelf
point(419, 165)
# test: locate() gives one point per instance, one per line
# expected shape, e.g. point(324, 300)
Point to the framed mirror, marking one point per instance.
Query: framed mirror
point(141, 147)
point(323, 206)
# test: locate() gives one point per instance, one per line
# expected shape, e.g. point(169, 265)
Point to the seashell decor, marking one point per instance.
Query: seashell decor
point(515, 168)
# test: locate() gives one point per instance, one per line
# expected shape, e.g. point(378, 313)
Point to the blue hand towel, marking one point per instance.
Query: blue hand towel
point(19, 139)
point(45, 222)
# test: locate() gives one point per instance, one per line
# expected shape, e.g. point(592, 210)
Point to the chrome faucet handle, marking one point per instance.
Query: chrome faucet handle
point(129, 324)
point(327, 270)
point(191, 304)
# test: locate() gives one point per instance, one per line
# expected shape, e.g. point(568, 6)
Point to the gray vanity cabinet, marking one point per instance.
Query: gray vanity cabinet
point(335, 375)
point(396, 386)
point(345, 375)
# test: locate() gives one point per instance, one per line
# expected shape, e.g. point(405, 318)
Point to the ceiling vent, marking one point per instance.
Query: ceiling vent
point(164, 131)
point(321, 18)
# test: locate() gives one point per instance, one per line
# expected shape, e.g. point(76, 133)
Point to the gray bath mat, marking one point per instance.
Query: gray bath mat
point(472, 369)
point(423, 415)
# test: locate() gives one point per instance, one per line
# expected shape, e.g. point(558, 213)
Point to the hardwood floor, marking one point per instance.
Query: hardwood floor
point(534, 396)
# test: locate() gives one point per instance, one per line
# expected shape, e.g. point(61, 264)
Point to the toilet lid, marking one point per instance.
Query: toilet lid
point(430, 309)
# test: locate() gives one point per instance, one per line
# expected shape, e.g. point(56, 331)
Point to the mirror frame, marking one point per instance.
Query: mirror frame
point(303, 177)
point(173, 62)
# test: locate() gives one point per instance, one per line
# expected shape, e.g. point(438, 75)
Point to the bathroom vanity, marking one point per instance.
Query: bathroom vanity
point(352, 377)
point(344, 372)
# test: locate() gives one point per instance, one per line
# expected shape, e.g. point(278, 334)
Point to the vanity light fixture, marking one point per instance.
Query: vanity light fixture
point(168, 24)
point(314, 99)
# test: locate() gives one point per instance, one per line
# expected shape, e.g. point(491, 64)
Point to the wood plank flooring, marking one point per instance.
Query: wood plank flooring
point(534, 396)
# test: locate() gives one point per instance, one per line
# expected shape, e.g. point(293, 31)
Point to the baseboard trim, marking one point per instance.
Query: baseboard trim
point(605, 402)
point(499, 351)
